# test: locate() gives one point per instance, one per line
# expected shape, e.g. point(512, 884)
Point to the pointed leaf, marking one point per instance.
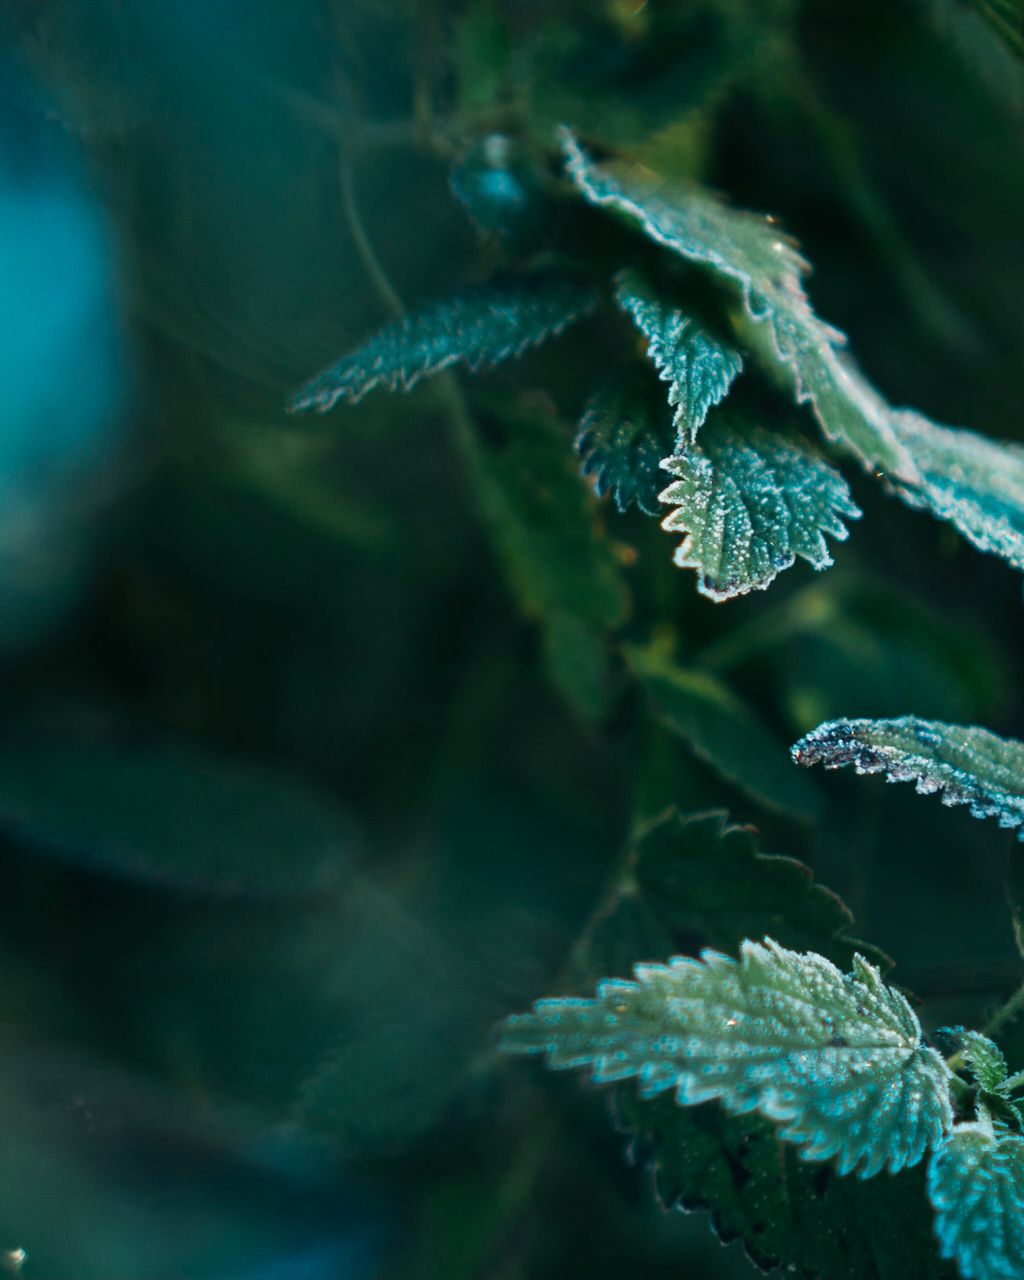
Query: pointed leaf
point(698, 367)
point(836, 1060)
point(975, 483)
point(703, 876)
point(750, 253)
point(621, 442)
point(976, 1186)
point(749, 502)
point(481, 327)
point(722, 731)
point(983, 1059)
point(788, 1213)
point(967, 765)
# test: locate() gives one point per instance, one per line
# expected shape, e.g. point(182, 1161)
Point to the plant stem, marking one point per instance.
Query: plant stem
point(1005, 1013)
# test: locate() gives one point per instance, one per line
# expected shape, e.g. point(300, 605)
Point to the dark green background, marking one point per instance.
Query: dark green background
point(297, 1082)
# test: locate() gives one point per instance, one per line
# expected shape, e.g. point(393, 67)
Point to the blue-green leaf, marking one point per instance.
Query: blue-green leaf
point(749, 502)
point(697, 366)
point(750, 253)
point(481, 327)
point(975, 483)
point(965, 764)
point(836, 1060)
point(621, 442)
point(976, 1186)
point(982, 1058)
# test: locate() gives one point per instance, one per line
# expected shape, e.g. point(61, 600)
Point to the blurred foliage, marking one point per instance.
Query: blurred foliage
point(323, 739)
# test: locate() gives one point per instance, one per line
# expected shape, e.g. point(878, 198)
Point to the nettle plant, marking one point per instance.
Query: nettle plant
point(800, 1039)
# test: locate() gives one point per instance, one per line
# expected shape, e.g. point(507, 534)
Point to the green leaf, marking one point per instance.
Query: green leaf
point(976, 1186)
point(698, 368)
point(700, 875)
point(621, 442)
point(975, 483)
point(723, 732)
point(170, 815)
point(965, 764)
point(836, 1060)
point(578, 660)
point(500, 189)
point(983, 1059)
point(786, 1212)
point(750, 253)
point(749, 502)
point(481, 327)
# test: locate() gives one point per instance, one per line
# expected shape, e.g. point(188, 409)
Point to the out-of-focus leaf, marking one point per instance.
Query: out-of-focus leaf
point(976, 1186)
point(750, 501)
point(172, 816)
point(965, 764)
point(698, 368)
point(500, 190)
point(621, 442)
point(723, 732)
point(578, 661)
point(481, 327)
point(838, 1060)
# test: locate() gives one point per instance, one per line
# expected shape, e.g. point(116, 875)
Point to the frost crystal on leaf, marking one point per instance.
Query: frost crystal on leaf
point(621, 442)
point(976, 484)
point(697, 366)
point(481, 327)
point(968, 765)
point(750, 253)
point(976, 1186)
point(836, 1060)
point(749, 502)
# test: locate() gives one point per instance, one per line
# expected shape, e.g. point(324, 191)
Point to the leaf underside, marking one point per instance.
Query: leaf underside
point(698, 368)
point(621, 442)
point(478, 328)
point(836, 1060)
point(976, 1186)
point(750, 502)
point(965, 764)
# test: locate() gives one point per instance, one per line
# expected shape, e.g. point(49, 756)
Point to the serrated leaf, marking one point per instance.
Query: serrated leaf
point(976, 1186)
point(722, 731)
point(621, 442)
point(749, 502)
point(702, 875)
point(172, 816)
point(697, 366)
point(786, 1212)
point(749, 252)
point(481, 327)
point(974, 483)
point(836, 1060)
point(983, 1059)
point(965, 764)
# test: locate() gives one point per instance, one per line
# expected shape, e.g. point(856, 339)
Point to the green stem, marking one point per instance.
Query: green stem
point(1006, 1013)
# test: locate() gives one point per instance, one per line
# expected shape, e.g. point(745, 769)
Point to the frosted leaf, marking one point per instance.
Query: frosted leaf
point(836, 1060)
point(750, 501)
point(621, 442)
point(749, 252)
point(976, 1186)
point(481, 327)
point(967, 765)
point(697, 366)
point(975, 483)
point(984, 1060)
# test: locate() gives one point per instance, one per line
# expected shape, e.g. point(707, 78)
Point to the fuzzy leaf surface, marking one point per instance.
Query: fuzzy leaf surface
point(749, 502)
point(720, 729)
point(976, 1186)
point(975, 483)
point(965, 764)
point(749, 252)
point(621, 442)
point(481, 327)
point(836, 1060)
point(698, 367)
